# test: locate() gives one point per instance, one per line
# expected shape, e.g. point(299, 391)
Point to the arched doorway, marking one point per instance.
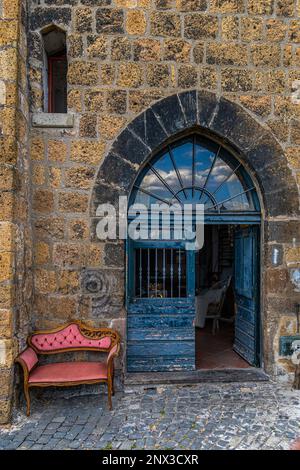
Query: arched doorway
point(254, 145)
point(176, 295)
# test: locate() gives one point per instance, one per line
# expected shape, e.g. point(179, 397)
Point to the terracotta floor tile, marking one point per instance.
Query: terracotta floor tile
point(215, 351)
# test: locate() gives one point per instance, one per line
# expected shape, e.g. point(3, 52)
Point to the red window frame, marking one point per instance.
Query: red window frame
point(51, 61)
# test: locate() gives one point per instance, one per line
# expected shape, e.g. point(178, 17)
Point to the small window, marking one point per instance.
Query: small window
point(160, 273)
point(56, 68)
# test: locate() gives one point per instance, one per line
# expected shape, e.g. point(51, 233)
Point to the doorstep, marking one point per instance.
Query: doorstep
point(196, 376)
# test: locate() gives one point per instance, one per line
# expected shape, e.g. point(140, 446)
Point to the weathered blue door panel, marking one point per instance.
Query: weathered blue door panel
point(246, 273)
point(160, 331)
point(162, 323)
point(160, 335)
point(161, 363)
point(179, 334)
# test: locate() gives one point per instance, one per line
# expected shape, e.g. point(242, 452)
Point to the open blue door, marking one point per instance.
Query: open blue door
point(246, 287)
point(160, 307)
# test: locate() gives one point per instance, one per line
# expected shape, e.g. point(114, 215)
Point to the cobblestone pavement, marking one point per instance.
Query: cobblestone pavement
point(204, 416)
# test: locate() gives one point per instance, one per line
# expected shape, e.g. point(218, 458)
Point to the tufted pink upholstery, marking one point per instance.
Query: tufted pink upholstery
point(68, 372)
point(29, 357)
point(67, 338)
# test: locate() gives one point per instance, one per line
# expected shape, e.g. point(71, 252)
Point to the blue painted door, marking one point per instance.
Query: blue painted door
point(160, 309)
point(246, 283)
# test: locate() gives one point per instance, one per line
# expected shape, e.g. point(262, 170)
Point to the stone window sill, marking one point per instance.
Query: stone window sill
point(57, 120)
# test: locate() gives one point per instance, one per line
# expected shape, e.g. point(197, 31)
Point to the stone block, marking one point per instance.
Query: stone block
point(236, 80)
point(110, 126)
point(74, 100)
point(68, 255)
point(72, 202)
point(230, 28)
point(52, 119)
point(147, 50)
point(68, 282)
point(136, 22)
point(42, 253)
point(121, 48)
point(75, 45)
point(57, 150)
point(165, 24)
point(147, 127)
point(97, 47)
point(7, 236)
point(187, 76)
point(94, 100)
point(38, 175)
point(6, 379)
point(142, 99)
point(41, 17)
point(6, 205)
point(6, 326)
point(83, 19)
point(169, 113)
point(260, 105)
point(294, 31)
point(8, 33)
point(275, 30)
point(285, 8)
point(55, 308)
point(83, 73)
point(227, 6)
point(88, 125)
point(50, 227)
point(116, 101)
point(227, 54)
point(6, 295)
point(261, 7)
point(85, 151)
point(265, 55)
point(292, 256)
point(6, 266)
point(117, 171)
point(45, 281)
point(107, 74)
point(43, 200)
point(79, 177)
point(78, 229)
point(7, 352)
point(5, 410)
point(110, 20)
point(200, 26)
point(130, 75)
point(188, 101)
point(177, 50)
point(158, 75)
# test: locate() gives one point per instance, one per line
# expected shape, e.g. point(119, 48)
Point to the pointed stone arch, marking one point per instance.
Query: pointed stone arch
point(255, 145)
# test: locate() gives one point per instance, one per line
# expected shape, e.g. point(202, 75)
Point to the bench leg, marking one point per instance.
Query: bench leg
point(112, 384)
point(27, 396)
point(109, 393)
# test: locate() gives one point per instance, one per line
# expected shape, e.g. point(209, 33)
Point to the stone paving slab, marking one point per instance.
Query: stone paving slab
point(202, 416)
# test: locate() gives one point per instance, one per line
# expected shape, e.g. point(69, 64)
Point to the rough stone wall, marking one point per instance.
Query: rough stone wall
point(123, 56)
point(15, 237)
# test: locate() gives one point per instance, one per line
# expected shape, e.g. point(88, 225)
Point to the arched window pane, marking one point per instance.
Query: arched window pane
point(194, 171)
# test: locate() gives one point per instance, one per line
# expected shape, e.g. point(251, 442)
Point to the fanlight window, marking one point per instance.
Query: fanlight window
point(196, 170)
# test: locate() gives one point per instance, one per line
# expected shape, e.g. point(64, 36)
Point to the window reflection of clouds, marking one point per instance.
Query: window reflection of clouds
point(211, 172)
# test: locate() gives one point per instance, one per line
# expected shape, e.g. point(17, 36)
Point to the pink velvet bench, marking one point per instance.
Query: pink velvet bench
point(72, 337)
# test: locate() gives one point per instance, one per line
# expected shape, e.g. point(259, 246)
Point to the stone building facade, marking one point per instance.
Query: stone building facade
point(228, 66)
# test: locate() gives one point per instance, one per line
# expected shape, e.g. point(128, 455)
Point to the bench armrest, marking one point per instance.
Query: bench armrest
point(112, 353)
point(27, 359)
